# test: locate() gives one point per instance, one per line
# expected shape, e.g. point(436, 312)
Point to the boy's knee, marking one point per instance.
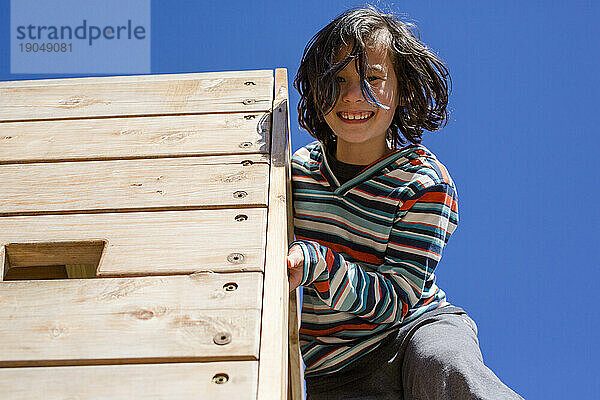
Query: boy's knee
point(444, 347)
point(433, 357)
point(443, 356)
point(430, 371)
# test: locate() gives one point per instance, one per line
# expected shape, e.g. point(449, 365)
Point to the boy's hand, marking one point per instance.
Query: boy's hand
point(295, 261)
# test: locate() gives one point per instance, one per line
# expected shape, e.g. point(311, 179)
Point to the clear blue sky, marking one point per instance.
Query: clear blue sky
point(521, 146)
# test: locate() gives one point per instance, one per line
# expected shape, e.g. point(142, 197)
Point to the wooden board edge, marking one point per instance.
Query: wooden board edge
point(133, 382)
point(213, 158)
point(3, 261)
point(136, 78)
point(273, 369)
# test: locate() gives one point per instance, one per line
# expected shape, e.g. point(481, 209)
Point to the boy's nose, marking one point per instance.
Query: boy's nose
point(351, 92)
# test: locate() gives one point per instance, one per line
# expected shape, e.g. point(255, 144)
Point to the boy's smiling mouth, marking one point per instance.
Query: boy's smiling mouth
point(355, 117)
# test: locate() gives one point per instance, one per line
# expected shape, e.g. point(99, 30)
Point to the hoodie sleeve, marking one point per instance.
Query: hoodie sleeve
point(422, 226)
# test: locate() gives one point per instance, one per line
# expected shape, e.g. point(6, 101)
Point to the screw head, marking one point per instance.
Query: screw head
point(220, 379)
point(245, 145)
point(235, 258)
point(240, 194)
point(249, 83)
point(249, 116)
point(230, 286)
point(222, 338)
point(246, 163)
point(248, 101)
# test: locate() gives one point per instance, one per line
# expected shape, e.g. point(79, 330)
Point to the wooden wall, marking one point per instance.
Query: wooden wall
point(144, 223)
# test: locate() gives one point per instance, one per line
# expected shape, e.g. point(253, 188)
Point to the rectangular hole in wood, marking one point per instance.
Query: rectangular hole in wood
point(51, 260)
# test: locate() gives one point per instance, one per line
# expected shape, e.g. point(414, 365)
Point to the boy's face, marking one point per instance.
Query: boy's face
point(353, 120)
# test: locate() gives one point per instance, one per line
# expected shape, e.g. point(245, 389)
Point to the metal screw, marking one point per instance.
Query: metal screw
point(248, 101)
point(241, 217)
point(222, 338)
point(245, 163)
point(220, 379)
point(245, 145)
point(249, 116)
point(249, 83)
point(240, 194)
point(235, 258)
point(230, 287)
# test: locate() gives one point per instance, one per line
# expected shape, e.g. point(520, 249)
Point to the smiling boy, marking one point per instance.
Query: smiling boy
point(372, 218)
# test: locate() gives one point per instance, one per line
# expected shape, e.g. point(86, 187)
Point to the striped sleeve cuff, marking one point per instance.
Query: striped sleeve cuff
point(312, 258)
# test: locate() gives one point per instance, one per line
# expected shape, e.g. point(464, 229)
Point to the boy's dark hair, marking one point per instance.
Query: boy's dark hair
point(422, 78)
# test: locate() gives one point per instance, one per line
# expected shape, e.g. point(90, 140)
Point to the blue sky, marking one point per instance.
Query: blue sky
point(520, 146)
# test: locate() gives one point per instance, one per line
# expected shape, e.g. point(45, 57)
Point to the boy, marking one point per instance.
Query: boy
point(371, 220)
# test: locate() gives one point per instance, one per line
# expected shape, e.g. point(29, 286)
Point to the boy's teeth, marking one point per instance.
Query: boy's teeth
point(355, 116)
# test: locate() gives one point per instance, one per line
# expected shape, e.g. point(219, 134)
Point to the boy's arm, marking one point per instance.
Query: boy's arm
point(421, 229)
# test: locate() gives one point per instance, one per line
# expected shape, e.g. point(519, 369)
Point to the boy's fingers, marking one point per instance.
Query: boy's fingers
point(294, 279)
point(294, 264)
point(295, 258)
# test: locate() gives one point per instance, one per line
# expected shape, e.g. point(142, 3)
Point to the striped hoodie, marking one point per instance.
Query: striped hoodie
point(370, 248)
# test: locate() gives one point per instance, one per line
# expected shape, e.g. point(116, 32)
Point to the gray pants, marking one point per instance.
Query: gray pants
point(436, 356)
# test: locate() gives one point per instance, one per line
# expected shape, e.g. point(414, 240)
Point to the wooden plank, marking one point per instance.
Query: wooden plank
point(245, 91)
point(176, 381)
point(166, 242)
point(273, 366)
point(106, 138)
point(130, 184)
point(130, 320)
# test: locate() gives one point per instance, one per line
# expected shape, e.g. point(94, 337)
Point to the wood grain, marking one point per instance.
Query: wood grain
point(129, 320)
point(112, 138)
point(130, 184)
point(120, 96)
point(146, 243)
point(174, 381)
